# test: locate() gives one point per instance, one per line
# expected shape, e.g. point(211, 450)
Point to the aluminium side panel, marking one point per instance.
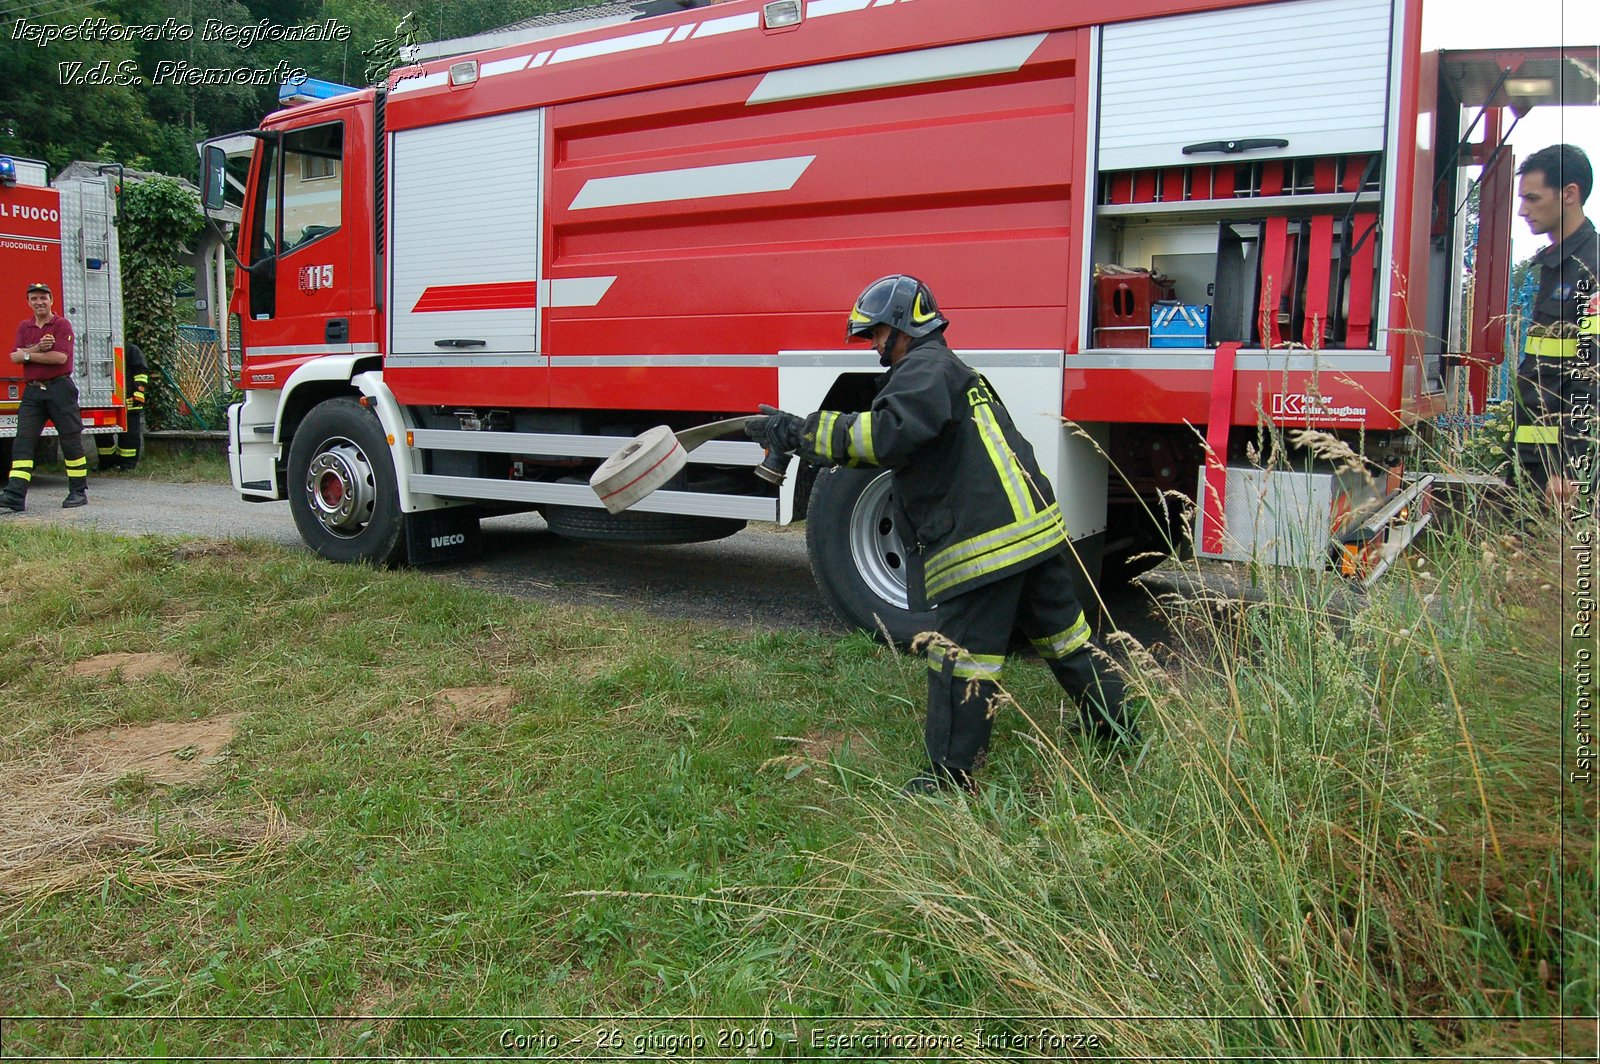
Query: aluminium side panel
point(91, 286)
point(1313, 72)
point(465, 242)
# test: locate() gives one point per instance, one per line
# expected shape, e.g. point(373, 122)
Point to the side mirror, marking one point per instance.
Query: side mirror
point(214, 177)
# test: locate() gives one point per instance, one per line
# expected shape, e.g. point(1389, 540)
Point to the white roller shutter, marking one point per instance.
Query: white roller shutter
point(466, 216)
point(1312, 72)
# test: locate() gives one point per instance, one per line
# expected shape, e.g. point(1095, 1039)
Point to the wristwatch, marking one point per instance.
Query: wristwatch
point(26, 355)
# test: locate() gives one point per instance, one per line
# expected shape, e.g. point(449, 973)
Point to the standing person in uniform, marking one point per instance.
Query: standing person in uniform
point(990, 544)
point(44, 350)
point(122, 450)
point(1554, 409)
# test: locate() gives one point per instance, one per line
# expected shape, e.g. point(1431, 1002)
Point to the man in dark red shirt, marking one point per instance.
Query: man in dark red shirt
point(44, 351)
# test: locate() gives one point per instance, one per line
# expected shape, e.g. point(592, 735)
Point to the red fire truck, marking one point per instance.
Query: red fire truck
point(64, 235)
point(1186, 226)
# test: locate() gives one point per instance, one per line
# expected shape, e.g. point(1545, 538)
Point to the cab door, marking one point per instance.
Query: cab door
point(303, 285)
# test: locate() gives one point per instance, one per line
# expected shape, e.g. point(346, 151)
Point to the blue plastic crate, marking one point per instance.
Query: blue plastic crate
point(1179, 324)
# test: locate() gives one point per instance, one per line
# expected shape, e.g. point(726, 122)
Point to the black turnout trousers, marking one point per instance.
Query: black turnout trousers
point(56, 401)
point(1041, 601)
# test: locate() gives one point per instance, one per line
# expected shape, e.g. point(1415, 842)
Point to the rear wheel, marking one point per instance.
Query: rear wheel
point(342, 487)
point(858, 557)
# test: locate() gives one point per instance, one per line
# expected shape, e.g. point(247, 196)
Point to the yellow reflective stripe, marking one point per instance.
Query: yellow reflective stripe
point(861, 440)
point(967, 666)
point(21, 474)
point(996, 539)
point(826, 419)
point(76, 463)
point(104, 448)
point(127, 452)
point(22, 463)
point(1017, 543)
point(1005, 463)
point(1551, 346)
point(141, 378)
point(1055, 647)
point(1539, 435)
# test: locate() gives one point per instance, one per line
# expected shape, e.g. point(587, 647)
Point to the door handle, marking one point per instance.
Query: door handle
point(337, 331)
point(1234, 147)
point(458, 343)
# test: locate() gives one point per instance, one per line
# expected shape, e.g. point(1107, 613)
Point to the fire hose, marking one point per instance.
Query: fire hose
point(656, 455)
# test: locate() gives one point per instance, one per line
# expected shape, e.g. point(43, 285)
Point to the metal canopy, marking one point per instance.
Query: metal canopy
point(1523, 78)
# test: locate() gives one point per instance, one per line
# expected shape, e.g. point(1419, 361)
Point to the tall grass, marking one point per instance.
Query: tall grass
point(1346, 837)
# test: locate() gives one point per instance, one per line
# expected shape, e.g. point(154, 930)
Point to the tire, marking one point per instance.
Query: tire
point(857, 558)
point(342, 487)
point(596, 525)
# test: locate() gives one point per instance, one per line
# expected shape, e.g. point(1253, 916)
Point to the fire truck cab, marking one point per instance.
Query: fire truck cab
point(1167, 231)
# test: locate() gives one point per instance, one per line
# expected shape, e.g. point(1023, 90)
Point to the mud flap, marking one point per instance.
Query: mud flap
point(447, 535)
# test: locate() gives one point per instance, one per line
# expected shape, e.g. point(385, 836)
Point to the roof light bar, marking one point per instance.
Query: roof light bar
point(310, 90)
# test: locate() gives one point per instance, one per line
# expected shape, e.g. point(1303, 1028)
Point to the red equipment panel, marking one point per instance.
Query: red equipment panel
point(30, 250)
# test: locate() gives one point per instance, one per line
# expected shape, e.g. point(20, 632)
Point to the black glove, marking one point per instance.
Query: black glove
point(776, 431)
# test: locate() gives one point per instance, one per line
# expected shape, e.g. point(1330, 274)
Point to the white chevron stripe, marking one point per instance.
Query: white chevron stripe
point(903, 68)
point(695, 182)
point(576, 291)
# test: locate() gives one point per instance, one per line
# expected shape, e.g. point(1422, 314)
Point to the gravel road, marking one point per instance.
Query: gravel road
point(759, 578)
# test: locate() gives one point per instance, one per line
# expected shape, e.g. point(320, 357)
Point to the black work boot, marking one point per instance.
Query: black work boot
point(77, 495)
point(938, 780)
point(11, 502)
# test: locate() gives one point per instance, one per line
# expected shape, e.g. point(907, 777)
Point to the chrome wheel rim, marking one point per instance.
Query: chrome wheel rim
point(341, 488)
point(875, 545)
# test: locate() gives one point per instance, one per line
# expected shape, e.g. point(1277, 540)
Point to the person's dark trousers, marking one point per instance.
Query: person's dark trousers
point(129, 443)
point(962, 685)
point(106, 448)
point(55, 401)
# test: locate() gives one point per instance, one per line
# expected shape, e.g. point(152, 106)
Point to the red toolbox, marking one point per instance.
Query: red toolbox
point(1122, 306)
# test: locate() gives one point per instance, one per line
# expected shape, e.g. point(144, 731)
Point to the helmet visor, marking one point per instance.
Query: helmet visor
point(871, 309)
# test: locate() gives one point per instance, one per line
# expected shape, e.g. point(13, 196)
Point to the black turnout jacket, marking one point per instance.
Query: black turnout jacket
point(965, 481)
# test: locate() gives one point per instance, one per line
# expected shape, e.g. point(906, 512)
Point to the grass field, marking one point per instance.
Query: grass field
point(239, 782)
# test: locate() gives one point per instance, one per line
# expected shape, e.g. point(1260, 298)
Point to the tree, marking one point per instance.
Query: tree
point(42, 118)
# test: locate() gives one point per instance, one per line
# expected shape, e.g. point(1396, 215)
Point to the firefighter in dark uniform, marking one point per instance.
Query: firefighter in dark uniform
point(1554, 413)
point(990, 543)
point(44, 350)
point(122, 450)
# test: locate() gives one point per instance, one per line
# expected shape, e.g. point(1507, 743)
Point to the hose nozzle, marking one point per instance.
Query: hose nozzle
point(774, 467)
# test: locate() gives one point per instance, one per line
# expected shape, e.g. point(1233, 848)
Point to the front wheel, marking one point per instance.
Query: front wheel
point(860, 562)
point(342, 486)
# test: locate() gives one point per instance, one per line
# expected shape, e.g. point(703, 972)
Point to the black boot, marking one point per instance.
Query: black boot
point(937, 780)
point(77, 495)
point(11, 501)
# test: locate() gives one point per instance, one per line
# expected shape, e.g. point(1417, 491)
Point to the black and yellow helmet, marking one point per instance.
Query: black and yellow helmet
point(899, 301)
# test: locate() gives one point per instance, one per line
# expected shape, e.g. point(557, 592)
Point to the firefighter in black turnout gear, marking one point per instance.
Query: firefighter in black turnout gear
point(1554, 414)
point(122, 450)
point(990, 546)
